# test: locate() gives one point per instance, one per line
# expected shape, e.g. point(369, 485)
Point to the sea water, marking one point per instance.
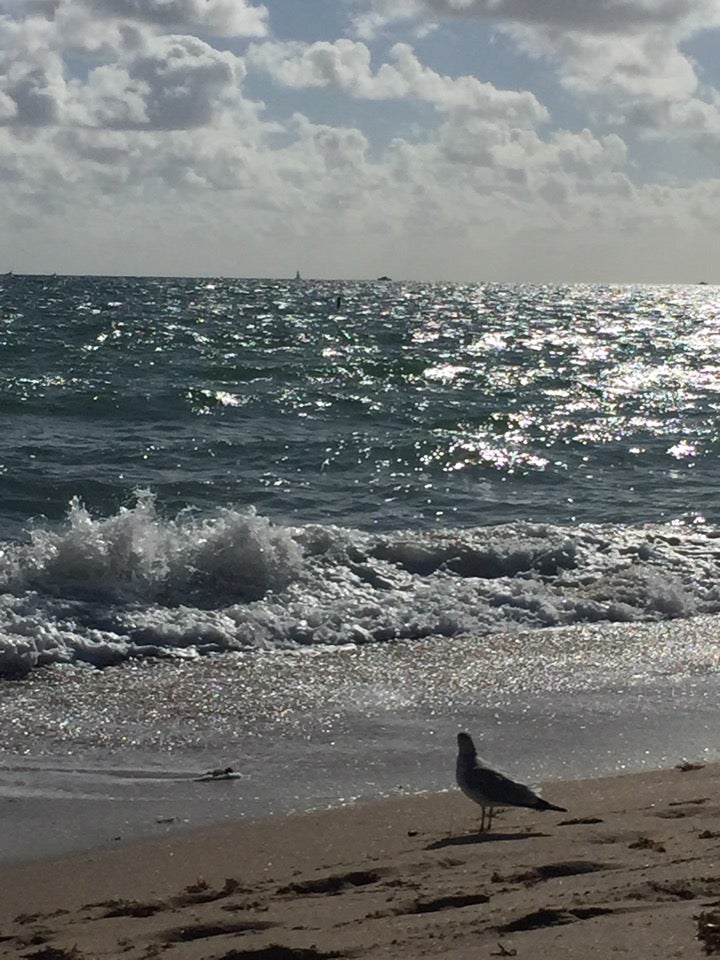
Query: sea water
point(309, 529)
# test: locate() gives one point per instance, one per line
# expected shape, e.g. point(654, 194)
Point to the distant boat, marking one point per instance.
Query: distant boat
point(297, 275)
point(384, 279)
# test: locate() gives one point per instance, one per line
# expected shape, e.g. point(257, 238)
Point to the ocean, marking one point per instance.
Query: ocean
point(310, 529)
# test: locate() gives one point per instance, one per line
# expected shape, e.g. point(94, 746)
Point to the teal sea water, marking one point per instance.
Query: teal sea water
point(307, 509)
point(377, 406)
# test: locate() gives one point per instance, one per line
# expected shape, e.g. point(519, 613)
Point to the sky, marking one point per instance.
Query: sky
point(473, 140)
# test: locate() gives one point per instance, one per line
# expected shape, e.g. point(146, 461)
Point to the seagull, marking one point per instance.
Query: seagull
point(489, 788)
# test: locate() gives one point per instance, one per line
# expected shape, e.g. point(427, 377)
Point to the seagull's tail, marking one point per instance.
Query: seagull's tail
point(544, 805)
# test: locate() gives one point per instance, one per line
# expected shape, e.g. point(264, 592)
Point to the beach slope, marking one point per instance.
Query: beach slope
point(632, 869)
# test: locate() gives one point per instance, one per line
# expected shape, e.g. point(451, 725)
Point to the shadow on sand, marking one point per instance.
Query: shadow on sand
point(481, 838)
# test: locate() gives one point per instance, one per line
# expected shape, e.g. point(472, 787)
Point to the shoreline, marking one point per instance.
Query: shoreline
point(630, 868)
point(370, 723)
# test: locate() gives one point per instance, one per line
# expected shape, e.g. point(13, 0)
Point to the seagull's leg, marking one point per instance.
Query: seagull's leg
point(491, 812)
point(482, 821)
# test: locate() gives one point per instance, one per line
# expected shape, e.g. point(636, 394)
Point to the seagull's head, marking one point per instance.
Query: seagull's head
point(466, 745)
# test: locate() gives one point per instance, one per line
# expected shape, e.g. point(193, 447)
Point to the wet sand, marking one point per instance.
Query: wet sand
point(632, 868)
point(90, 756)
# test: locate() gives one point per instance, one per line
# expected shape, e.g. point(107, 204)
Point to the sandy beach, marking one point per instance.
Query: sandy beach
point(632, 868)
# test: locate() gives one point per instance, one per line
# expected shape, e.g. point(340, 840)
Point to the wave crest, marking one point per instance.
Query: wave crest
point(136, 584)
point(137, 556)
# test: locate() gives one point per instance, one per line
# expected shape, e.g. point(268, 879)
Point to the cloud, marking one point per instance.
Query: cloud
point(165, 116)
point(346, 66)
point(633, 65)
point(623, 58)
point(237, 18)
point(343, 64)
point(97, 107)
point(171, 83)
point(129, 140)
point(595, 16)
point(32, 93)
point(144, 80)
point(642, 84)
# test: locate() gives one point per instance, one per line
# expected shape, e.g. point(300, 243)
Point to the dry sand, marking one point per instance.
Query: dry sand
point(632, 869)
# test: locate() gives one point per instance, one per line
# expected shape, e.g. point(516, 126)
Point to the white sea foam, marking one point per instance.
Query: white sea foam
point(136, 584)
point(137, 556)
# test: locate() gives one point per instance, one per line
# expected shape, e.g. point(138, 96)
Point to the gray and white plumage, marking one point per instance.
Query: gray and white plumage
point(489, 788)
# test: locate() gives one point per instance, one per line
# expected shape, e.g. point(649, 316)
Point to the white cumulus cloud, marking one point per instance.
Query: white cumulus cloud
point(186, 136)
point(222, 17)
point(346, 65)
point(601, 16)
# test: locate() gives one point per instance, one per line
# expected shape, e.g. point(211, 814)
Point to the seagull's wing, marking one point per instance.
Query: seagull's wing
point(501, 790)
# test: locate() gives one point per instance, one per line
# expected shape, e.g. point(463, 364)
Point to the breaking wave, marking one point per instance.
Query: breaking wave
point(99, 590)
